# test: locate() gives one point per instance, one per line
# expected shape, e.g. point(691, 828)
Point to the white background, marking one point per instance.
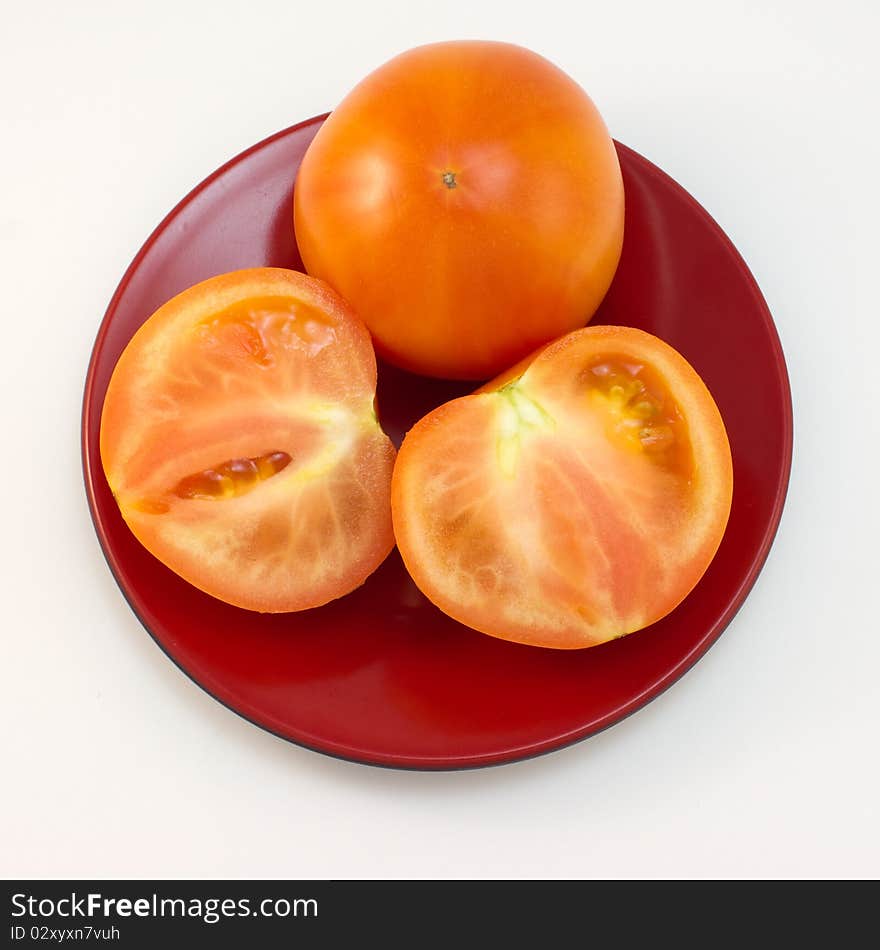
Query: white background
point(761, 762)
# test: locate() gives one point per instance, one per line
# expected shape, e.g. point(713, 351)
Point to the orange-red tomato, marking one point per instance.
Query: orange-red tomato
point(466, 199)
point(571, 501)
point(239, 438)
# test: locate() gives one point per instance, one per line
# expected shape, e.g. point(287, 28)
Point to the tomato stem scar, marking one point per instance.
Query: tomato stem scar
point(448, 179)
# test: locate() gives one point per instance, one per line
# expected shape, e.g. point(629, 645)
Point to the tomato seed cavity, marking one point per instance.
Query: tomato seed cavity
point(640, 408)
point(259, 327)
point(233, 478)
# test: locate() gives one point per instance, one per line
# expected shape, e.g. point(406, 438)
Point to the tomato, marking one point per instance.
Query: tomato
point(572, 501)
point(467, 200)
point(239, 438)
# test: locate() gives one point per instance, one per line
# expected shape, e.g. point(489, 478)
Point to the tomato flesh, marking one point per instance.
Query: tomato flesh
point(240, 440)
point(573, 503)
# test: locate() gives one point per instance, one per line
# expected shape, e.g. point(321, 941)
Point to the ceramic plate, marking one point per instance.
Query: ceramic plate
point(381, 676)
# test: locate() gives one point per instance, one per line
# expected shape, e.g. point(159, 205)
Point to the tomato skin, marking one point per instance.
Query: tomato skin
point(466, 199)
point(239, 439)
point(572, 503)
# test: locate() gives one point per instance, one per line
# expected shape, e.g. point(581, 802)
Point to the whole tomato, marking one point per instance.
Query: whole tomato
point(466, 199)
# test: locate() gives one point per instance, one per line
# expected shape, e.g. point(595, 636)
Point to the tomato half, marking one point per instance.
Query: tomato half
point(239, 438)
point(467, 200)
point(572, 501)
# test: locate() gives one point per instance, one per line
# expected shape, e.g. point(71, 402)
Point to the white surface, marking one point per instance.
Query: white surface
point(761, 762)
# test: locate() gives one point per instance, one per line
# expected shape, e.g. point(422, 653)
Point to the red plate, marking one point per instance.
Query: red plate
point(381, 676)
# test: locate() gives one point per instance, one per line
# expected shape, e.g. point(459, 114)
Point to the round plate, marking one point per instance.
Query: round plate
point(381, 676)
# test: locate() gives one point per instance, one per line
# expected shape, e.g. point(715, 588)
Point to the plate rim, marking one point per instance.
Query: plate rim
point(467, 762)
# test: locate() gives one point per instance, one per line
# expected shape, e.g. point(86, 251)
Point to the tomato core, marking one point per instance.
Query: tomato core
point(519, 416)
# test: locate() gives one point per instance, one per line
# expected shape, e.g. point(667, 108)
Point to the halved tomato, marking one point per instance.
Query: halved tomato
point(240, 441)
point(573, 500)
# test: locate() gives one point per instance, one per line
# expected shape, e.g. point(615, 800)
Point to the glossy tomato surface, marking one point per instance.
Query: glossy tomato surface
point(466, 199)
point(572, 501)
point(382, 676)
point(239, 438)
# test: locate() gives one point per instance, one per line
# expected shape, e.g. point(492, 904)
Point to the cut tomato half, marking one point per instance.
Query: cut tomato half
point(240, 440)
point(577, 498)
